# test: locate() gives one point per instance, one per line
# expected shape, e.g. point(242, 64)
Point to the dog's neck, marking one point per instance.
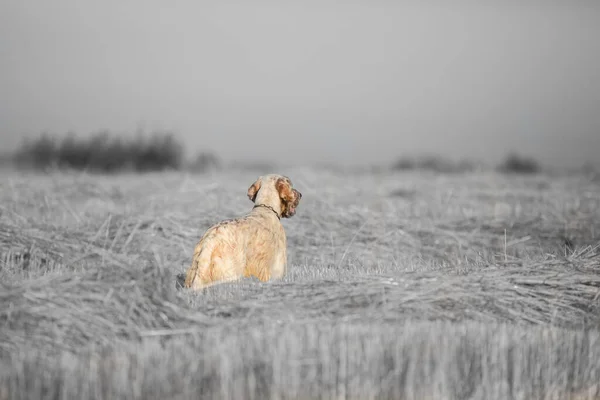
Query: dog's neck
point(270, 200)
point(269, 208)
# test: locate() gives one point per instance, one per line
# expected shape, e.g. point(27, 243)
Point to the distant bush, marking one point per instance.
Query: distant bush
point(517, 164)
point(433, 164)
point(101, 152)
point(405, 164)
point(257, 167)
point(6, 159)
point(203, 162)
point(590, 170)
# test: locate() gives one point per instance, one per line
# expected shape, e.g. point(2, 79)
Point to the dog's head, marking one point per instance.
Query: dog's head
point(275, 191)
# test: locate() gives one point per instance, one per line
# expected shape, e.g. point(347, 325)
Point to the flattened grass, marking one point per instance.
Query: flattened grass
point(402, 285)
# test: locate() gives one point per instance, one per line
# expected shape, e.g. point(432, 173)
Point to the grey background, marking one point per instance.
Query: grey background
point(313, 81)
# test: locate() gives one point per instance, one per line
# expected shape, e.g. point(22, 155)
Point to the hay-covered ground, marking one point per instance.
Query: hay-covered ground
point(404, 285)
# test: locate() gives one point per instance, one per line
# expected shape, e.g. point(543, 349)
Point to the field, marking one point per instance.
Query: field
point(407, 285)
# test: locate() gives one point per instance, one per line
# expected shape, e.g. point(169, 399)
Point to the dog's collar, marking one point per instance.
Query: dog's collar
point(270, 208)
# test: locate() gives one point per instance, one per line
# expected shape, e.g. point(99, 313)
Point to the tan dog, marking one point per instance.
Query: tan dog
point(254, 245)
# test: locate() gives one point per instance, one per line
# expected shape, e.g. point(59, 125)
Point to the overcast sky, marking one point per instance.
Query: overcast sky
point(313, 80)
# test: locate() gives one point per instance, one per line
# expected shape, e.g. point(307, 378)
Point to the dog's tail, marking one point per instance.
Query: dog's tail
point(200, 263)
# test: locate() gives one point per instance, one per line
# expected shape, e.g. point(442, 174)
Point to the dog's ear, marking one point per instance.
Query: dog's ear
point(253, 190)
point(289, 197)
point(284, 188)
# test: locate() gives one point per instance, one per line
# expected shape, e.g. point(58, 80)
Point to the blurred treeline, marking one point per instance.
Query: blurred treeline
point(105, 152)
point(512, 164)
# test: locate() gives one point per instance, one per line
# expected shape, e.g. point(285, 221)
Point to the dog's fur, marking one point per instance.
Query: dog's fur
point(253, 245)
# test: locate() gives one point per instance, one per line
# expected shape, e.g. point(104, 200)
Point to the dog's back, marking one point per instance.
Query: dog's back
point(254, 245)
point(248, 246)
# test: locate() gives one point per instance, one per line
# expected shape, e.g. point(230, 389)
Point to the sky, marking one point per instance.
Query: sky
point(312, 81)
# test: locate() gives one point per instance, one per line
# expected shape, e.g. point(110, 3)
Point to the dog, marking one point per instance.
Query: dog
point(253, 245)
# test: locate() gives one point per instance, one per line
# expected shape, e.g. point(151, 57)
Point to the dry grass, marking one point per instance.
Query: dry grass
point(402, 285)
